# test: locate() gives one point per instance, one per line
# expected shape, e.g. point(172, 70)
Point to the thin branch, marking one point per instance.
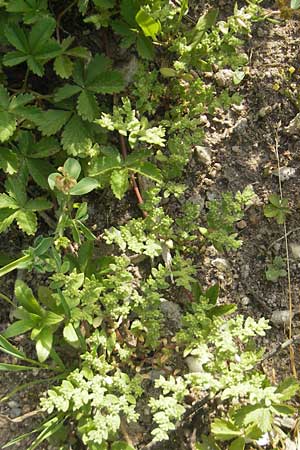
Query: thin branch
point(60, 16)
point(132, 176)
point(292, 358)
point(283, 237)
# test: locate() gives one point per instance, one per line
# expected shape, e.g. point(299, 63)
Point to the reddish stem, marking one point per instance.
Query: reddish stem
point(132, 177)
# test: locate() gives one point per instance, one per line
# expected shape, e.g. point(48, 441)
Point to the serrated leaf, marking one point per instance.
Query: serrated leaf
point(51, 121)
point(84, 186)
point(8, 161)
point(66, 91)
point(256, 415)
point(104, 164)
point(8, 125)
point(87, 106)
point(76, 137)
point(39, 170)
point(148, 170)
point(79, 52)
point(149, 26)
point(98, 65)
point(17, 38)
point(40, 33)
point(38, 204)
point(11, 59)
point(63, 66)
point(35, 66)
point(8, 202)
point(7, 219)
point(119, 182)
point(26, 221)
point(145, 47)
point(110, 82)
point(44, 344)
point(288, 388)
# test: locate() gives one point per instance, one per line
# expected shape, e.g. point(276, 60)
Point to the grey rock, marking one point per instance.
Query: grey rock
point(285, 173)
point(13, 404)
point(15, 412)
point(224, 77)
point(172, 312)
point(295, 249)
point(221, 264)
point(281, 317)
point(203, 154)
point(197, 199)
point(294, 125)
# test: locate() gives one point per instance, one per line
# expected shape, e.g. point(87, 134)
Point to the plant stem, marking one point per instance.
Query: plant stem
point(60, 16)
point(25, 80)
point(7, 299)
point(132, 176)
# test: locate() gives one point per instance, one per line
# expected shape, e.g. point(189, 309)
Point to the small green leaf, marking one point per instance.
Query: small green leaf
point(288, 388)
point(38, 204)
point(238, 444)
point(26, 221)
point(18, 327)
point(145, 47)
point(148, 170)
point(119, 182)
point(44, 344)
point(149, 26)
point(87, 106)
point(224, 430)
point(84, 186)
point(63, 66)
point(72, 168)
point(212, 293)
point(70, 335)
point(26, 298)
point(295, 4)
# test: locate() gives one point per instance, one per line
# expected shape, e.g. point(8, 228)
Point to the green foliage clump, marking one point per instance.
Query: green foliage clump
point(74, 120)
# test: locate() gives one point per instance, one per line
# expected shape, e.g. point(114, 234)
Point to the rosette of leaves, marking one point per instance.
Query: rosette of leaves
point(109, 167)
point(66, 182)
point(15, 205)
point(35, 47)
point(78, 105)
point(33, 317)
point(277, 208)
point(29, 157)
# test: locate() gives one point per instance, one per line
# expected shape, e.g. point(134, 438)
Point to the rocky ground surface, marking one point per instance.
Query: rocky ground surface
point(243, 146)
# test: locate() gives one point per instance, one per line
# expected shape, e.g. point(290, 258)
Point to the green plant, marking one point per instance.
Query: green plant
point(221, 218)
point(277, 208)
point(74, 121)
point(276, 269)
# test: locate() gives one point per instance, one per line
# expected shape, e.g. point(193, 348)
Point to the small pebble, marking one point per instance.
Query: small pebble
point(241, 224)
point(203, 155)
point(245, 300)
point(221, 264)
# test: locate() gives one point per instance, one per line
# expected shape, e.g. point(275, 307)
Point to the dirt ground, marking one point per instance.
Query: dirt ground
point(243, 142)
